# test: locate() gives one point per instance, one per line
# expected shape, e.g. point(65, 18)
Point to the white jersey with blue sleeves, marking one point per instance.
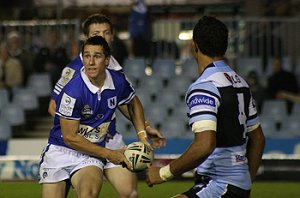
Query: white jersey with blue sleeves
point(222, 96)
point(81, 100)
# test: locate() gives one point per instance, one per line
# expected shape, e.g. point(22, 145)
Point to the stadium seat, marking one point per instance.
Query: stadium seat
point(14, 114)
point(144, 96)
point(290, 126)
point(5, 129)
point(296, 109)
point(164, 67)
point(135, 68)
point(40, 83)
point(152, 84)
point(169, 98)
point(174, 128)
point(26, 98)
point(268, 124)
point(179, 84)
point(275, 108)
point(245, 65)
point(156, 114)
point(189, 68)
point(4, 98)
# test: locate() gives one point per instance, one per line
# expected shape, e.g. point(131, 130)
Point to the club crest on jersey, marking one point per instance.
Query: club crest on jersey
point(112, 102)
point(87, 111)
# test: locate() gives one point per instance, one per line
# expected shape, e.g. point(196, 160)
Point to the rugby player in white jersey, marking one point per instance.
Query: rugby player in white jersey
point(228, 139)
point(76, 145)
point(98, 24)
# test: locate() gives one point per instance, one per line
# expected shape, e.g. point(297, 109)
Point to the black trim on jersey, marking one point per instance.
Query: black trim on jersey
point(252, 117)
point(204, 91)
point(203, 112)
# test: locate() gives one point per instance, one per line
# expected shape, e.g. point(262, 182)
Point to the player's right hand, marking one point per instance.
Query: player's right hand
point(117, 157)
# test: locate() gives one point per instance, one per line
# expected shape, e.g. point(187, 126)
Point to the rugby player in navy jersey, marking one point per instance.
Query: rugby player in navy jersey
point(98, 24)
point(76, 145)
point(228, 140)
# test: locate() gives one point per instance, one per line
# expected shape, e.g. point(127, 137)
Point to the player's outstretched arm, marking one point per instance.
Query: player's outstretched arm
point(202, 146)
point(69, 130)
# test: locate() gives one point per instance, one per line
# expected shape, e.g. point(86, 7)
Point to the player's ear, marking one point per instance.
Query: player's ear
point(107, 61)
point(195, 48)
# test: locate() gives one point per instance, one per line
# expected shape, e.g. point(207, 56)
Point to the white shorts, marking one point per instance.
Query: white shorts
point(115, 143)
point(58, 163)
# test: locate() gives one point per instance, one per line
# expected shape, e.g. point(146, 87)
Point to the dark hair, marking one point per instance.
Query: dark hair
point(211, 36)
point(95, 19)
point(97, 40)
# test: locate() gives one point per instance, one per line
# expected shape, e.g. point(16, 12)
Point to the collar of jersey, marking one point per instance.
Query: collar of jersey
point(108, 83)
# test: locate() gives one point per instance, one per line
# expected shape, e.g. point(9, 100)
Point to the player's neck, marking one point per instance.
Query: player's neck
point(99, 80)
point(204, 61)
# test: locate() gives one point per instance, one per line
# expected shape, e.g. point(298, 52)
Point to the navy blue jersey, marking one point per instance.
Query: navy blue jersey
point(81, 100)
point(222, 96)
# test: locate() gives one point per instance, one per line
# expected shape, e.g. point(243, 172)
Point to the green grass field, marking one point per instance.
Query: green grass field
point(259, 190)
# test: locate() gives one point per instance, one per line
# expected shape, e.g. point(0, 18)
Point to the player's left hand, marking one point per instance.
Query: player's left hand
point(158, 140)
point(146, 141)
point(152, 176)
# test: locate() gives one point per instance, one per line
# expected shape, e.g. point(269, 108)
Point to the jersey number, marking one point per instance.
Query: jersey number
point(242, 115)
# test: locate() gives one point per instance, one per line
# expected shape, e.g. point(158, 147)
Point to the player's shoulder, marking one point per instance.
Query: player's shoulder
point(74, 82)
point(76, 63)
point(116, 73)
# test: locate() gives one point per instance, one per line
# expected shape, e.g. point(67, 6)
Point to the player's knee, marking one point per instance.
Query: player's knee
point(88, 193)
point(129, 194)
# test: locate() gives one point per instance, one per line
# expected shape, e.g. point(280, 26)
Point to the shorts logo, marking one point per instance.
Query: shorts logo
point(45, 174)
point(112, 102)
point(201, 100)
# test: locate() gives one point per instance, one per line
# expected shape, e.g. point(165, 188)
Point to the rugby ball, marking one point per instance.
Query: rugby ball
point(139, 155)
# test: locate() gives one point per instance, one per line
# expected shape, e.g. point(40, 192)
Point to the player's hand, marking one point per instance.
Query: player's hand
point(146, 141)
point(152, 176)
point(118, 157)
point(109, 137)
point(158, 140)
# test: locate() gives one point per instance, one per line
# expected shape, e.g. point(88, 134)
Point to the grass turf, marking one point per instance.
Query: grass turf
point(259, 190)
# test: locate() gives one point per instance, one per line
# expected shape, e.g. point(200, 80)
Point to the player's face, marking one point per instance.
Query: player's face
point(101, 29)
point(94, 61)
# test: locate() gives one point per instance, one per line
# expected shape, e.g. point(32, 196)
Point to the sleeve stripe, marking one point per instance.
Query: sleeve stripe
point(202, 113)
point(252, 117)
point(203, 91)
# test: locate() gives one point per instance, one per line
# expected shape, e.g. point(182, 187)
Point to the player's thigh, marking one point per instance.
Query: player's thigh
point(54, 190)
point(87, 181)
point(119, 176)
